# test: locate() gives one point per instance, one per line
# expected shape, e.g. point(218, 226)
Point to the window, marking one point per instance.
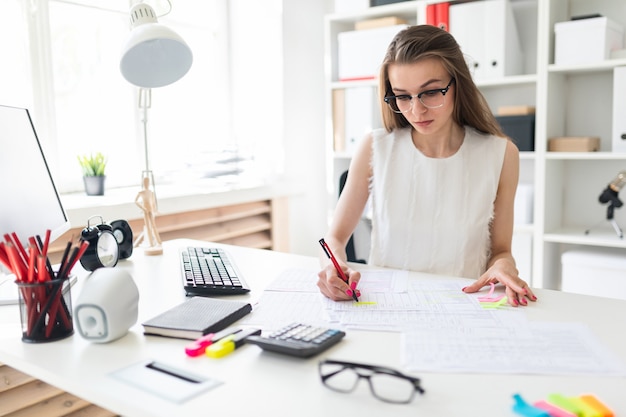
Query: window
point(222, 118)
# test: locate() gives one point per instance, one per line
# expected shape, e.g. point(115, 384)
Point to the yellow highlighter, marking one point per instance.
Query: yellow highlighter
point(228, 344)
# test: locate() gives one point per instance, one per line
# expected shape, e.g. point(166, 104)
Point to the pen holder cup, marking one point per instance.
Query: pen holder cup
point(45, 310)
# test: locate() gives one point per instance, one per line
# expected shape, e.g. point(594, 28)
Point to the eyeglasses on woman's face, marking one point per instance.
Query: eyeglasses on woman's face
point(386, 384)
point(431, 99)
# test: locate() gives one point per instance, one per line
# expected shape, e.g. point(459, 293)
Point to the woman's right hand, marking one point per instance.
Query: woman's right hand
point(334, 287)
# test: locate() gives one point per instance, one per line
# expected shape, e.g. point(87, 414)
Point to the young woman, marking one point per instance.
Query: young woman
point(441, 175)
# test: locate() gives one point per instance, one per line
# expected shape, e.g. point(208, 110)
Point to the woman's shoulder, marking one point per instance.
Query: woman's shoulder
point(483, 143)
point(473, 133)
point(478, 138)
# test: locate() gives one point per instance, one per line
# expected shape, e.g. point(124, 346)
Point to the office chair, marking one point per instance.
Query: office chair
point(350, 252)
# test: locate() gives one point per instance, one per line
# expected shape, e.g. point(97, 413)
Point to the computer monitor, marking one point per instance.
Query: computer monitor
point(29, 201)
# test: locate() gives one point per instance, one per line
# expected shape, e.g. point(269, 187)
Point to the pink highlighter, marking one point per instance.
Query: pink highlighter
point(198, 347)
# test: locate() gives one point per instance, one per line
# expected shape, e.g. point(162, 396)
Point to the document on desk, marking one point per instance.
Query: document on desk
point(443, 296)
point(444, 329)
point(535, 348)
point(276, 309)
point(294, 296)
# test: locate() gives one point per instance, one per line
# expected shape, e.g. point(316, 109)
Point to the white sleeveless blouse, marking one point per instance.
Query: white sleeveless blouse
point(433, 214)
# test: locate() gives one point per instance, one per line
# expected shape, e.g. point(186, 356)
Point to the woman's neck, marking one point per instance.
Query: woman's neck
point(440, 144)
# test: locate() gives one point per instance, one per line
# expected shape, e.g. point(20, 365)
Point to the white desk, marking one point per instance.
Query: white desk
point(260, 383)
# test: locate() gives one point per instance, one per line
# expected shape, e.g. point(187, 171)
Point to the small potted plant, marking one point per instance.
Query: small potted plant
point(93, 167)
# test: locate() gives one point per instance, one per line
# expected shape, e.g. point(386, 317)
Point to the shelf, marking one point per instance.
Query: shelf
point(508, 81)
point(587, 68)
point(602, 237)
point(585, 156)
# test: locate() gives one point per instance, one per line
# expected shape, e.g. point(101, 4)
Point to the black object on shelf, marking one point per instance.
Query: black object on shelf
point(374, 3)
point(586, 16)
point(521, 129)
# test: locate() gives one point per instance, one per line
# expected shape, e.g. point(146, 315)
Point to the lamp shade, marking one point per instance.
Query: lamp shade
point(154, 55)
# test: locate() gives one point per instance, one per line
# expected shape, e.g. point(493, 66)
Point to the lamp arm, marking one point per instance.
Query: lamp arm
point(145, 102)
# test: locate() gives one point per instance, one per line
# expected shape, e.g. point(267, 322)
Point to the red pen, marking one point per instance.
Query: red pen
point(4, 257)
point(330, 255)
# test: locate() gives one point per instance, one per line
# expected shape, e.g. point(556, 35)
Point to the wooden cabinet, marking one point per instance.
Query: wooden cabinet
point(253, 224)
point(23, 395)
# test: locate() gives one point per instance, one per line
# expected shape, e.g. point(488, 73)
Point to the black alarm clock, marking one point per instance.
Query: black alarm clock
point(103, 250)
point(124, 236)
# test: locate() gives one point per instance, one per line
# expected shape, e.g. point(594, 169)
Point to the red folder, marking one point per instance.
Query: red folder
point(431, 15)
point(442, 15)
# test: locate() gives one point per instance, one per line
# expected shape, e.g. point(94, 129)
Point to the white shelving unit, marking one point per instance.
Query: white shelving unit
point(569, 101)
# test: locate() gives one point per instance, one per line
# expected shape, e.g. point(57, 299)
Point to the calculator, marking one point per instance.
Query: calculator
point(298, 339)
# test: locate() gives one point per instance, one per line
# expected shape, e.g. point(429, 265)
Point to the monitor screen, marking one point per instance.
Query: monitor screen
point(29, 201)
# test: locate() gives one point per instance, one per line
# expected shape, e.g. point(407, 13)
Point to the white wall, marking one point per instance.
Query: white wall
point(304, 118)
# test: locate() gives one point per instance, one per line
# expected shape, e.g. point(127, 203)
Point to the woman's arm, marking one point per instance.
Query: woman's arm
point(501, 266)
point(347, 214)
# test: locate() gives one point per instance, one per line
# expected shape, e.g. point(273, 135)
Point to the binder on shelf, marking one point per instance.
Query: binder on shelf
point(487, 33)
point(361, 115)
point(438, 15)
point(619, 110)
point(442, 15)
point(431, 18)
point(339, 118)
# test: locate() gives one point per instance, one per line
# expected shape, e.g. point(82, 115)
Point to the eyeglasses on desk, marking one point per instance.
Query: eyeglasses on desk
point(386, 384)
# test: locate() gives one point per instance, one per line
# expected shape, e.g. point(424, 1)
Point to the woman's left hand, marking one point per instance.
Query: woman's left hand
point(505, 273)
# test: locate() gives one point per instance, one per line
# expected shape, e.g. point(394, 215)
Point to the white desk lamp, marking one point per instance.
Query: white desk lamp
point(154, 56)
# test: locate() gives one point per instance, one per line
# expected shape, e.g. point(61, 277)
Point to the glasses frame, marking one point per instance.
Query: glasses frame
point(375, 370)
point(443, 91)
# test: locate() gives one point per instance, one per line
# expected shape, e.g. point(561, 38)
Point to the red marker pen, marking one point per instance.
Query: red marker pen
point(330, 255)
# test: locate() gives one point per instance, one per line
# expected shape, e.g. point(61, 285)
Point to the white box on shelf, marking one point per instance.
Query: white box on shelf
point(360, 52)
point(487, 34)
point(595, 271)
point(523, 207)
point(351, 6)
point(586, 40)
point(619, 110)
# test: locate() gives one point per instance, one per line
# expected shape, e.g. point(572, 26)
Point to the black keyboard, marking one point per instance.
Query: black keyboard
point(209, 271)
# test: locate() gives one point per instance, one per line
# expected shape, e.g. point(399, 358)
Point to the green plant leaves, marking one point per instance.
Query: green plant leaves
point(93, 165)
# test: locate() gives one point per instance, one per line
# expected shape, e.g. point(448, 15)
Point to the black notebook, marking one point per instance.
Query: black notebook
point(196, 317)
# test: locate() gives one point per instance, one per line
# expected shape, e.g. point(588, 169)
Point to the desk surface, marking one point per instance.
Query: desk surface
point(257, 382)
